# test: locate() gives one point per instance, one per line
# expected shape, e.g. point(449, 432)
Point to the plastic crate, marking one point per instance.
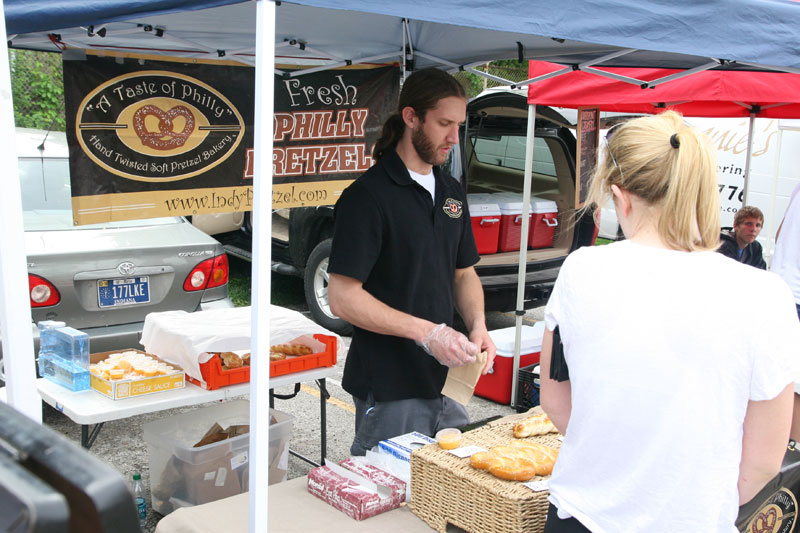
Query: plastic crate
point(215, 376)
point(182, 475)
point(527, 388)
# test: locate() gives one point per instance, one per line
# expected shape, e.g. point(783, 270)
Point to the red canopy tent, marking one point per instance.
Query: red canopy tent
point(709, 93)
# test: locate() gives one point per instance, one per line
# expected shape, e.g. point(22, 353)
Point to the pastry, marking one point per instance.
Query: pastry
point(291, 349)
point(231, 360)
point(246, 358)
point(534, 425)
point(517, 461)
point(277, 356)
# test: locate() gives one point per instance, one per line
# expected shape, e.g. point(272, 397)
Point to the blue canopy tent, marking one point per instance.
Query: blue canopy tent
point(448, 34)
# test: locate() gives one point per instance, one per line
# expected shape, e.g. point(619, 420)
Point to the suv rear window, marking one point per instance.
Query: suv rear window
point(508, 151)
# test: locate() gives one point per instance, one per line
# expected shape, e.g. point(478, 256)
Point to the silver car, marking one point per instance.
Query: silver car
point(104, 279)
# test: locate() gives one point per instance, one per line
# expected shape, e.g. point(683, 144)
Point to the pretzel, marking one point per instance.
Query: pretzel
point(165, 138)
point(231, 360)
point(517, 461)
point(534, 425)
point(291, 349)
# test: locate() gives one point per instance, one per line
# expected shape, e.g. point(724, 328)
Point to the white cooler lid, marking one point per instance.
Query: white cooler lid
point(540, 205)
point(482, 205)
point(531, 341)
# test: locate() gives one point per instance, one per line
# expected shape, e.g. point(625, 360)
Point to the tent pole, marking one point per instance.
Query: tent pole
point(15, 311)
point(262, 252)
point(746, 185)
point(523, 246)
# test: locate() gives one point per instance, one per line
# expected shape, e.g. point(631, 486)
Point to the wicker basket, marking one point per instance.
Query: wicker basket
point(447, 490)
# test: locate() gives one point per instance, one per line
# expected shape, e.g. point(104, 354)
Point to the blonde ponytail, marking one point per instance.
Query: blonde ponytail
point(670, 165)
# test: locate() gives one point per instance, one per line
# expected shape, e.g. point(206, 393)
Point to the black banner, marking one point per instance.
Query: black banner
point(154, 137)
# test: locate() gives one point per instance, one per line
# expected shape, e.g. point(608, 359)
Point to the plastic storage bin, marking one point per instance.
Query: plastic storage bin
point(183, 476)
point(215, 376)
point(544, 219)
point(528, 385)
point(485, 216)
point(496, 385)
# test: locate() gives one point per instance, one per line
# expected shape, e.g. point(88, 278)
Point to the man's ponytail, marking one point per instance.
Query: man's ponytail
point(392, 131)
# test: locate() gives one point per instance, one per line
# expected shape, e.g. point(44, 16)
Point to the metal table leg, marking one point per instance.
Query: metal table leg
point(323, 398)
point(87, 437)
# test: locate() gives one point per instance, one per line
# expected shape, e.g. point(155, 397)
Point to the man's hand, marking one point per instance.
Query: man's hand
point(480, 337)
point(449, 347)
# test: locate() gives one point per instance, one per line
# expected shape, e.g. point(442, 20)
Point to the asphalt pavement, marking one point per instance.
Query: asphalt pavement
point(121, 445)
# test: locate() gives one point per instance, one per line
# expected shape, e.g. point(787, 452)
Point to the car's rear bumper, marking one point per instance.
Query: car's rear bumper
point(500, 291)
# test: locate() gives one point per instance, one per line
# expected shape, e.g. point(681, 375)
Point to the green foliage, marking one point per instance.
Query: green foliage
point(37, 88)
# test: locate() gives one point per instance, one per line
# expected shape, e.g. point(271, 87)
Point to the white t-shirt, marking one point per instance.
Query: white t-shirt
point(664, 349)
point(426, 180)
point(786, 260)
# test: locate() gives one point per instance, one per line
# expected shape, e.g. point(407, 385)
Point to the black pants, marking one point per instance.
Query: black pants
point(556, 525)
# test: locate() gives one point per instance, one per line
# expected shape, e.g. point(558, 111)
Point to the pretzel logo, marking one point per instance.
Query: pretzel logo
point(776, 515)
point(764, 522)
point(166, 138)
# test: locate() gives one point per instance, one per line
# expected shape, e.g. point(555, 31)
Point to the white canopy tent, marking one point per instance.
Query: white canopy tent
point(448, 34)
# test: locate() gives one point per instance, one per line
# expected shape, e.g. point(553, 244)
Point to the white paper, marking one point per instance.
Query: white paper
point(190, 339)
point(467, 451)
point(238, 460)
point(381, 490)
point(538, 486)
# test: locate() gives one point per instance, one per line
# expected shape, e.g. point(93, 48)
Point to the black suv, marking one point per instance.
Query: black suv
point(490, 158)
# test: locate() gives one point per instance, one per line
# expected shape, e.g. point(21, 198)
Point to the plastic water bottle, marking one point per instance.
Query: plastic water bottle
point(141, 503)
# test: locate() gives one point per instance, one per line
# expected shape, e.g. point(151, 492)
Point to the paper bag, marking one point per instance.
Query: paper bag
point(461, 380)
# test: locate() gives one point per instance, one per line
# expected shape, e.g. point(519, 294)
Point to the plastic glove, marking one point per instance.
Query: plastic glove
point(449, 347)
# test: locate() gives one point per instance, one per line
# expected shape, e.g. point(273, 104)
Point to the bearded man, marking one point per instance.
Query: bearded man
point(402, 260)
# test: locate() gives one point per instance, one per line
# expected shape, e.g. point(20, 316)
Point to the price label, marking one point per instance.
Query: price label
point(538, 486)
point(467, 451)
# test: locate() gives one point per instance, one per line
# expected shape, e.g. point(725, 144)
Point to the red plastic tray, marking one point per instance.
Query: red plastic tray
point(215, 376)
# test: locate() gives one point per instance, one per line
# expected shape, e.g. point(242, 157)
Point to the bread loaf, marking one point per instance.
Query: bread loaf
point(517, 461)
point(291, 349)
point(534, 425)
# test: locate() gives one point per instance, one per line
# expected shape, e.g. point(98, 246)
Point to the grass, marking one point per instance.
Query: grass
point(600, 241)
point(286, 290)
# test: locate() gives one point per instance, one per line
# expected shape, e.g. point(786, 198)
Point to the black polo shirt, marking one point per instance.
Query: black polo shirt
point(405, 249)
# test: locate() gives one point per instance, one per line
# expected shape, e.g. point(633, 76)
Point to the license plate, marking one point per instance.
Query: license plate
point(119, 292)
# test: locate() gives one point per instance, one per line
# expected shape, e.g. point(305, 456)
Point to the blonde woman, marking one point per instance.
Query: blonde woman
point(678, 400)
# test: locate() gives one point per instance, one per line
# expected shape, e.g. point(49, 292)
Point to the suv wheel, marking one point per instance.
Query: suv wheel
point(315, 282)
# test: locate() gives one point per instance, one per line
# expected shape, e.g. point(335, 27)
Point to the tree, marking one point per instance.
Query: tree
point(37, 89)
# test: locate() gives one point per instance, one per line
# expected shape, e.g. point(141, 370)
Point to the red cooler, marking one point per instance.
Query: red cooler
point(510, 221)
point(485, 215)
point(496, 385)
point(544, 219)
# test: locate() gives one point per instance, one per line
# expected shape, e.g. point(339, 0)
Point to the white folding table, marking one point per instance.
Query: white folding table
point(89, 407)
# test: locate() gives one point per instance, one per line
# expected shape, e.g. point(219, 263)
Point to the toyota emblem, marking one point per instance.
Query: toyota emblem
point(126, 269)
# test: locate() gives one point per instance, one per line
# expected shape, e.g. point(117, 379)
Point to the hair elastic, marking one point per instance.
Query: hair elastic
point(673, 141)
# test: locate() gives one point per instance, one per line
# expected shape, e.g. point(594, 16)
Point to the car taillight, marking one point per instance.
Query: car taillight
point(210, 273)
point(42, 292)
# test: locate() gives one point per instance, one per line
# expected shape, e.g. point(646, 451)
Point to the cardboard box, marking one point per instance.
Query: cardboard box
point(120, 389)
point(357, 489)
point(402, 445)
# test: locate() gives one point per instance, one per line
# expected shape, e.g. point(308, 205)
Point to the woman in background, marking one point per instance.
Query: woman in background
point(680, 362)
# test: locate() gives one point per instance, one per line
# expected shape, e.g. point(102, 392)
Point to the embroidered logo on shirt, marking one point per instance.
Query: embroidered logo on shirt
point(777, 514)
point(453, 208)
